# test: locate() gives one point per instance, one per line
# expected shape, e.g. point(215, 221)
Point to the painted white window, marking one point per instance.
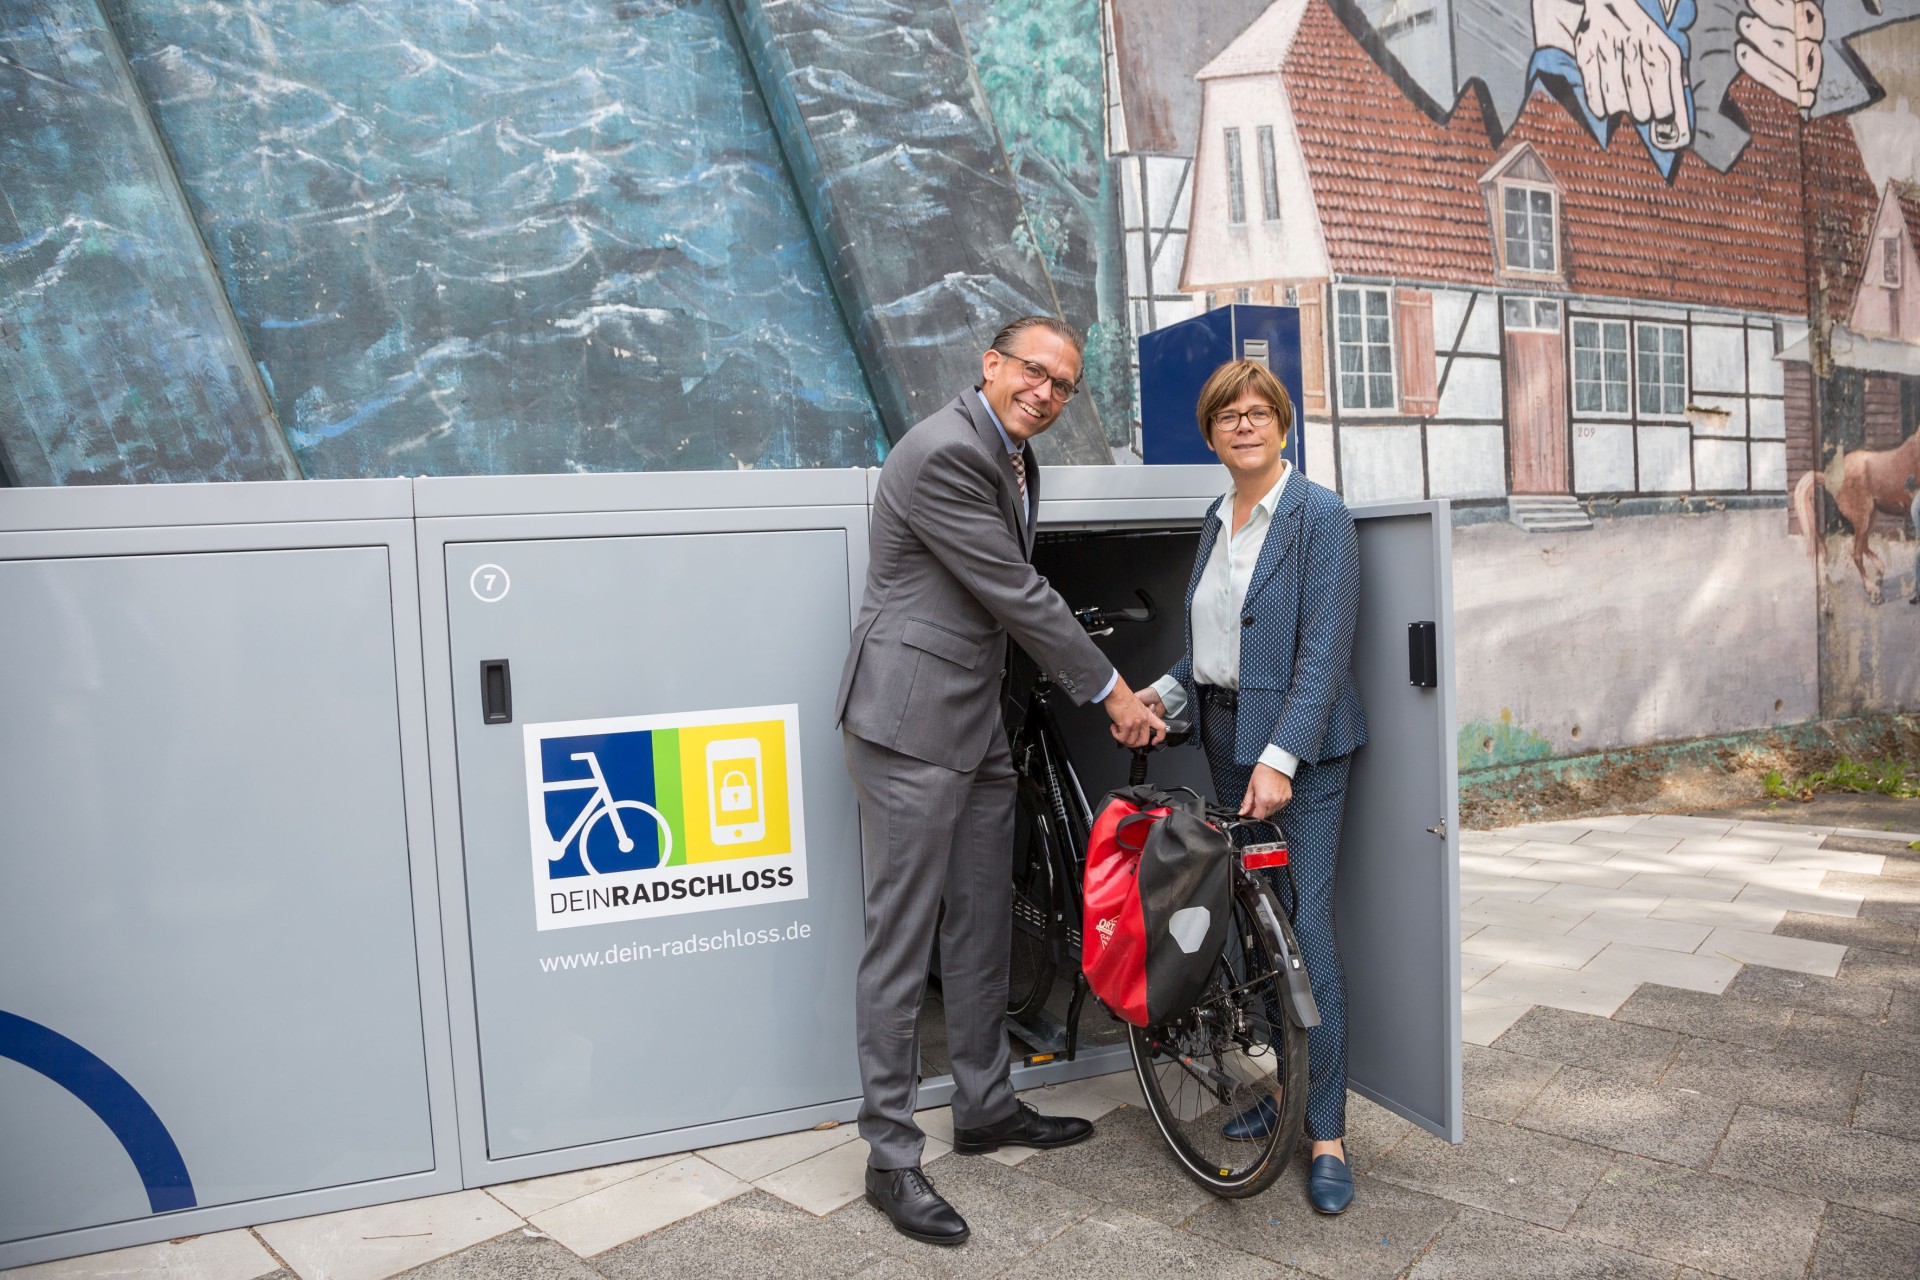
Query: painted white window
point(1661, 356)
point(1890, 261)
point(1541, 315)
point(1269, 176)
point(1601, 378)
point(1364, 337)
point(1236, 181)
point(1530, 228)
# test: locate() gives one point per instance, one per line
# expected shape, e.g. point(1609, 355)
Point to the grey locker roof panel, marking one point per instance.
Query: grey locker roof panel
point(145, 506)
point(436, 496)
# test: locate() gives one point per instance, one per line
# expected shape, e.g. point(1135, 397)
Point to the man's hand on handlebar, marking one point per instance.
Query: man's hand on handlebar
point(1134, 724)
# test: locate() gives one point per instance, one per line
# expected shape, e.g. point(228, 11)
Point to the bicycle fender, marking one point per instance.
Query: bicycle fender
point(1296, 987)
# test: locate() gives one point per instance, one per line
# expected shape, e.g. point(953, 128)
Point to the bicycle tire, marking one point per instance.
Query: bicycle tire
point(1033, 960)
point(1235, 1048)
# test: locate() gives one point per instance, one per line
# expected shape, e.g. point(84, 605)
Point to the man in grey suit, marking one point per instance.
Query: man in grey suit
point(948, 582)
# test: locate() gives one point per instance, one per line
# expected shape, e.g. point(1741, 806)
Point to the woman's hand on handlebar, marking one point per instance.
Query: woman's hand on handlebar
point(1150, 699)
point(1134, 725)
point(1267, 792)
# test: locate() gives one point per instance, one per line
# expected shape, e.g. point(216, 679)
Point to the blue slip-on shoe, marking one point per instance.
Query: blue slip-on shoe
point(1253, 1124)
point(1329, 1185)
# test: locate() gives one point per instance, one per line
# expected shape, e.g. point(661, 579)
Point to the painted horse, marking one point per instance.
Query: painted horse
point(1863, 482)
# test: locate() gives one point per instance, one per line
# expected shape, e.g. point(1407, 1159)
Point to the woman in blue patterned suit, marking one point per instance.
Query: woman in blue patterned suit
point(1269, 661)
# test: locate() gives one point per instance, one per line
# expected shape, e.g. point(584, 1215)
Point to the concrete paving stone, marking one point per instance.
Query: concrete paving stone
point(1517, 981)
point(835, 1177)
point(533, 1195)
point(1643, 1120)
point(1871, 1046)
point(1502, 887)
point(1885, 906)
point(1864, 864)
point(1385, 1228)
point(1809, 991)
point(1868, 968)
point(1797, 954)
point(1503, 944)
point(754, 1235)
point(1072, 1098)
point(1728, 845)
point(1860, 1246)
point(762, 1156)
point(1372, 1131)
point(1585, 855)
point(1889, 1105)
point(1669, 885)
point(1592, 875)
point(1121, 1086)
point(1904, 1010)
point(1478, 1245)
point(1538, 917)
point(386, 1239)
point(1801, 879)
point(1126, 1164)
point(1551, 832)
point(1786, 833)
point(1497, 1084)
point(935, 1122)
point(218, 1255)
point(518, 1255)
point(1490, 864)
point(1522, 1174)
point(1890, 936)
point(1726, 1017)
point(1675, 969)
point(1009, 1213)
point(1863, 833)
point(1619, 902)
point(1687, 825)
point(1737, 915)
point(1642, 931)
point(1870, 1171)
point(1614, 821)
point(1112, 1242)
point(1742, 1073)
point(619, 1213)
point(1630, 841)
point(1621, 1050)
point(1722, 1226)
point(1475, 967)
point(1642, 863)
point(1484, 1019)
point(1487, 842)
point(1831, 902)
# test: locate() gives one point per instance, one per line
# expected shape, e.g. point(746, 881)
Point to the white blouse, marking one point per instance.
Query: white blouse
point(1216, 610)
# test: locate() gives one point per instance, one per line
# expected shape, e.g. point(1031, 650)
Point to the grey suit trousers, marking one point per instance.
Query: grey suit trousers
point(933, 835)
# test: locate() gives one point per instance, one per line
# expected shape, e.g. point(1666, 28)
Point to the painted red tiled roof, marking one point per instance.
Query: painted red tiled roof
point(1841, 202)
point(1399, 195)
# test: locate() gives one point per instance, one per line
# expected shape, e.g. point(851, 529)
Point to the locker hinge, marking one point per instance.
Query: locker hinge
point(1439, 829)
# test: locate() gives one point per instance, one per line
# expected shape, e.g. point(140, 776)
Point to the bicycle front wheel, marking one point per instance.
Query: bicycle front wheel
point(1039, 922)
point(1234, 1064)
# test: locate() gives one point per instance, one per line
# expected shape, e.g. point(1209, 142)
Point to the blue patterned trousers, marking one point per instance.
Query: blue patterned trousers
point(1311, 824)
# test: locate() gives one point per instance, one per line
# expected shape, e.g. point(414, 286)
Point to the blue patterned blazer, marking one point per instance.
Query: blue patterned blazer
point(1296, 636)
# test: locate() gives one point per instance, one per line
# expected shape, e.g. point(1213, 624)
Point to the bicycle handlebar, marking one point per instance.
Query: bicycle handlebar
point(1099, 622)
point(1178, 731)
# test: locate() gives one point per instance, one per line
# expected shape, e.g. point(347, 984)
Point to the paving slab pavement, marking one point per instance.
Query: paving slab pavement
point(1759, 1118)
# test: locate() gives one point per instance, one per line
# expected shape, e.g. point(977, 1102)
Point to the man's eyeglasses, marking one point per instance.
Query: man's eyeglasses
point(1258, 416)
point(1035, 375)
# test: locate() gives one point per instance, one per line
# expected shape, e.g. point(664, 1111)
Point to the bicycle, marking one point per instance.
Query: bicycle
point(1053, 821)
point(602, 805)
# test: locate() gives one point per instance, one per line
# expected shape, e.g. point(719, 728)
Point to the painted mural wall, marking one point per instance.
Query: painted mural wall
point(1635, 283)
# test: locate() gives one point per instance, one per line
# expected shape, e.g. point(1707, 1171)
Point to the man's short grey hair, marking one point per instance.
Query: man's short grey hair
point(1003, 341)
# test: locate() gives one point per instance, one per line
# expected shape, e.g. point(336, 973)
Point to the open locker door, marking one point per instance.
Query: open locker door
point(1398, 903)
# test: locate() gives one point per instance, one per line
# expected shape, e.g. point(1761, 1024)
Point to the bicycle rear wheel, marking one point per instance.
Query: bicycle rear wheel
point(1234, 1051)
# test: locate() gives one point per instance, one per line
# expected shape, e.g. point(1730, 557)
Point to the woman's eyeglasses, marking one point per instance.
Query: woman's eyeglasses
point(1258, 416)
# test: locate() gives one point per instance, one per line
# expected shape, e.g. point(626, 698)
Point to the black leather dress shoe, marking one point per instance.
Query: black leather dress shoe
point(913, 1207)
point(1024, 1128)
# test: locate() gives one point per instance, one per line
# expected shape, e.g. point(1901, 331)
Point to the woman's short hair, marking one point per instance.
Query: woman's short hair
point(1231, 381)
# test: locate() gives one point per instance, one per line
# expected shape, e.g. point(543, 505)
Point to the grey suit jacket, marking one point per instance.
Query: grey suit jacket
point(948, 581)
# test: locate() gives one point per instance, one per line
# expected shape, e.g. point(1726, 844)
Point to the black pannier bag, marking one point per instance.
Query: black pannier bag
point(1158, 893)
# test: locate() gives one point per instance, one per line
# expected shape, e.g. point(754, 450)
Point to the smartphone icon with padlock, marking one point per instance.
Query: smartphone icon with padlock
point(736, 809)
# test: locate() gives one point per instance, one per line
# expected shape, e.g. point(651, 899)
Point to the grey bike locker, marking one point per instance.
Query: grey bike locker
point(630, 620)
point(220, 992)
point(1104, 531)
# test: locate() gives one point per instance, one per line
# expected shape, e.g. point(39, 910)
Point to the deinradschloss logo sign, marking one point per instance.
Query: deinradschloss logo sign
point(641, 816)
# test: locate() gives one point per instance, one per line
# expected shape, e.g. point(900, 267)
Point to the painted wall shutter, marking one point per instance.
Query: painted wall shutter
point(1313, 349)
point(1418, 395)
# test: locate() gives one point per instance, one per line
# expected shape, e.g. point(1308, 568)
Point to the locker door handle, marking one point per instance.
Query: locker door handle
point(1423, 655)
point(496, 692)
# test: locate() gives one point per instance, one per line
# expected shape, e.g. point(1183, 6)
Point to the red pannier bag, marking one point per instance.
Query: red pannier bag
point(1157, 891)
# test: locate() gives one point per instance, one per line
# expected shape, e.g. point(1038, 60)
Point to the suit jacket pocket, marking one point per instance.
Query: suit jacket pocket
point(932, 638)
